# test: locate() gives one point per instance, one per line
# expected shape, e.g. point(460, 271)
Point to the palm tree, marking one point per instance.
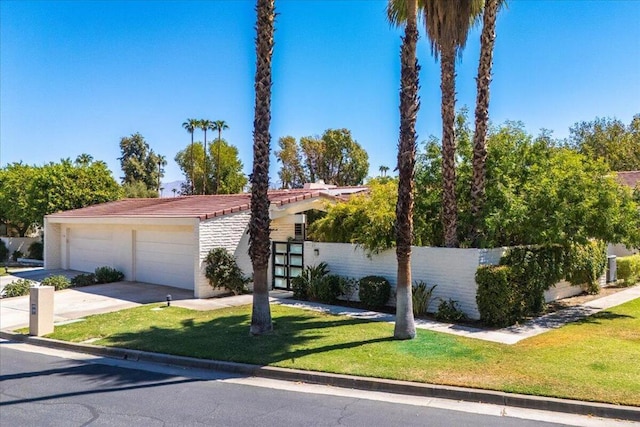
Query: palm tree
point(219, 125)
point(383, 170)
point(448, 23)
point(487, 39)
point(190, 125)
point(205, 125)
point(259, 242)
point(174, 190)
point(405, 12)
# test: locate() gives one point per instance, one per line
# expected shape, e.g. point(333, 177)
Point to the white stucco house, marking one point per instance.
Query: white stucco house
point(164, 241)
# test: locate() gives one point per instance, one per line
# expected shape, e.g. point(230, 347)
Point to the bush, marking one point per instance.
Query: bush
point(222, 271)
point(302, 284)
point(421, 296)
point(327, 289)
point(16, 255)
point(4, 252)
point(17, 288)
point(585, 265)
point(36, 250)
point(628, 269)
point(83, 280)
point(374, 291)
point(108, 275)
point(58, 282)
point(448, 311)
point(498, 300)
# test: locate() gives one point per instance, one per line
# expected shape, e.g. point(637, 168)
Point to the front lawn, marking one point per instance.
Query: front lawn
point(597, 359)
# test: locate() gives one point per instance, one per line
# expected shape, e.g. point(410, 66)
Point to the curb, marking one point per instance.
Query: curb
point(602, 410)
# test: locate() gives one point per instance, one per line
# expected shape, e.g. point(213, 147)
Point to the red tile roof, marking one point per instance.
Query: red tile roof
point(202, 207)
point(630, 178)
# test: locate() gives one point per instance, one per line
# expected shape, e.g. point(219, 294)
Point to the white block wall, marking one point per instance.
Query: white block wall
point(452, 270)
point(229, 232)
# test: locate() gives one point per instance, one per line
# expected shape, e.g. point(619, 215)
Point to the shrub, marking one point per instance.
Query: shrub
point(83, 280)
point(374, 291)
point(17, 254)
point(421, 296)
point(448, 311)
point(17, 288)
point(58, 282)
point(108, 275)
point(222, 271)
point(628, 269)
point(349, 287)
point(36, 250)
point(4, 252)
point(302, 284)
point(498, 299)
point(327, 289)
point(585, 265)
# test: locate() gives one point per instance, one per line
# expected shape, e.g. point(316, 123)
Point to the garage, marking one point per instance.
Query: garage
point(164, 257)
point(165, 241)
point(89, 248)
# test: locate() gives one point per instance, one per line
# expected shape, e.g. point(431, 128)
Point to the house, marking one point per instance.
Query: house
point(165, 240)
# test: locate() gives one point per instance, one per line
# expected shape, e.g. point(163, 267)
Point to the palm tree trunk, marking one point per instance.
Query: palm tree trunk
point(409, 103)
point(204, 181)
point(218, 161)
point(259, 242)
point(487, 39)
point(447, 86)
point(193, 188)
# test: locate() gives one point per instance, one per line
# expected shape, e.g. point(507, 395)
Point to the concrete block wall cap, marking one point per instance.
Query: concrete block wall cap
point(603, 410)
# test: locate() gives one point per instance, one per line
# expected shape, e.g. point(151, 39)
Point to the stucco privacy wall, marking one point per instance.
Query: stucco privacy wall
point(453, 270)
point(19, 243)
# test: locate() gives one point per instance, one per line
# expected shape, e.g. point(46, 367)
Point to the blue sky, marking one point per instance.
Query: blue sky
point(77, 76)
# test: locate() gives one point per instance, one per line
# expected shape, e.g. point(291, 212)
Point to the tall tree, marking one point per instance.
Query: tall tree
point(205, 125)
point(448, 23)
point(610, 140)
point(383, 170)
point(483, 81)
point(190, 125)
point(409, 104)
point(291, 172)
point(259, 242)
point(218, 125)
point(139, 163)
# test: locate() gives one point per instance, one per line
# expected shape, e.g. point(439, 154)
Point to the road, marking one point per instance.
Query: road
point(77, 390)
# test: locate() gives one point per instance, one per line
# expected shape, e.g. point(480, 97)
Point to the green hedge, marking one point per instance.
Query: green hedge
point(497, 298)
point(374, 291)
point(515, 290)
point(628, 269)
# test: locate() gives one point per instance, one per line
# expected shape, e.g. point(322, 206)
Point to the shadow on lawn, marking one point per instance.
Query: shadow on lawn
point(598, 318)
point(227, 338)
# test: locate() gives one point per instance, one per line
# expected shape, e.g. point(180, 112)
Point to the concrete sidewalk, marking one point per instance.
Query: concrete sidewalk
point(509, 335)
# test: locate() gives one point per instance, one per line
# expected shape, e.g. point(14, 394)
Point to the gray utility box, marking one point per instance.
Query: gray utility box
point(40, 310)
point(612, 267)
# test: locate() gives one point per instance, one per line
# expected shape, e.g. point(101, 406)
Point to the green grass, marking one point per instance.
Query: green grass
point(597, 359)
point(3, 271)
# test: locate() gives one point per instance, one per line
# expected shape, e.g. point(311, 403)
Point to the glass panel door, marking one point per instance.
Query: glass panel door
point(288, 262)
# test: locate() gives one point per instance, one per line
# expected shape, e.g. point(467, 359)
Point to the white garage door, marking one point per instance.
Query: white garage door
point(165, 258)
point(89, 248)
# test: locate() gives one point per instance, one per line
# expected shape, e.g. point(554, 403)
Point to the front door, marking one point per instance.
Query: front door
point(287, 263)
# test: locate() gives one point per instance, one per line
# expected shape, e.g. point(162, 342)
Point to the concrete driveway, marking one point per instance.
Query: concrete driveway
point(79, 302)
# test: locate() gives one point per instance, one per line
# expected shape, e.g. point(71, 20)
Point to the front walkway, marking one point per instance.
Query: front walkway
point(510, 335)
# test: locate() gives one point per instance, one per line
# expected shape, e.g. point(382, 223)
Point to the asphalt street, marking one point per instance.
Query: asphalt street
point(43, 389)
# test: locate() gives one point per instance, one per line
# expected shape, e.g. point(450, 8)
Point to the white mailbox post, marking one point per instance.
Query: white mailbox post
point(41, 310)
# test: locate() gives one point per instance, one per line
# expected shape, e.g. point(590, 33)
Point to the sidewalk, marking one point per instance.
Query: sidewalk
point(509, 335)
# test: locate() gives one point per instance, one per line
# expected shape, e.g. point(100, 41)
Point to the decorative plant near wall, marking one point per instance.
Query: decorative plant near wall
point(222, 271)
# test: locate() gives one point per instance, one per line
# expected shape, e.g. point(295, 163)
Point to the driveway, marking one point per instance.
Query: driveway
point(79, 302)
